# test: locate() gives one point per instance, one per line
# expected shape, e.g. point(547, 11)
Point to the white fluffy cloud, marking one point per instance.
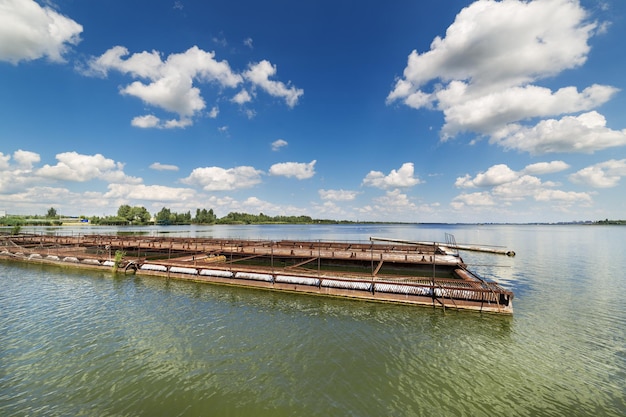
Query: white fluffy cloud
point(395, 204)
point(480, 199)
point(259, 74)
point(495, 175)
point(147, 121)
point(151, 121)
point(149, 192)
point(279, 143)
point(484, 114)
point(16, 177)
point(39, 197)
point(562, 196)
point(214, 112)
point(545, 168)
point(173, 83)
point(603, 175)
point(22, 184)
point(29, 31)
point(72, 166)
point(26, 159)
point(157, 166)
point(500, 174)
point(298, 170)
point(338, 195)
point(503, 185)
point(4, 161)
point(502, 44)
point(520, 188)
point(585, 133)
point(242, 97)
point(170, 83)
point(220, 179)
point(394, 201)
point(402, 178)
point(481, 75)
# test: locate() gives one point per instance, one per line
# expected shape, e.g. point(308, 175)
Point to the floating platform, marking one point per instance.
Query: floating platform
point(397, 272)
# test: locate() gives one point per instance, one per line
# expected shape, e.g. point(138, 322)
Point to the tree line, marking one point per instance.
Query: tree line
point(140, 216)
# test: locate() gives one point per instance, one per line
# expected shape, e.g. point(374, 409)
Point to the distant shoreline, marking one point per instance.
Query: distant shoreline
point(80, 224)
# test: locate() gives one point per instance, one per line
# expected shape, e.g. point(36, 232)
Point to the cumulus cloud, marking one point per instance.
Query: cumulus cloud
point(38, 199)
point(149, 192)
point(298, 170)
point(585, 133)
point(394, 201)
point(29, 31)
point(151, 121)
point(19, 174)
point(169, 83)
point(501, 44)
point(603, 175)
point(500, 174)
point(259, 74)
point(72, 166)
point(504, 43)
point(147, 121)
point(502, 184)
point(220, 179)
point(242, 97)
point(256, 205)
point(278, 144)
point(157, 166)
point(520, 188)
point(177, 123)
point(562, 196)
point(14, 177)
point(495, 175)
point(481, 75)
point(402, 178)
point(214, 112)
point(338, 195)
point(26, 159)
point(4, 161)
point(396, 204)
point(545, 168)
point(173, 83)
point(39, 195)
point(480, 199)
point(484, 114)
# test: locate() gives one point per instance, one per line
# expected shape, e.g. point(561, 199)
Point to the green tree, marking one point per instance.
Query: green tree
point(164, 216)
point(139, 215)
point(204, 217)
point(125, 212)
point(51, 213)
point(134, 215)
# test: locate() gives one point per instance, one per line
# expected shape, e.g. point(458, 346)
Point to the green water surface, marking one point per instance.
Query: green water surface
point(80, 343)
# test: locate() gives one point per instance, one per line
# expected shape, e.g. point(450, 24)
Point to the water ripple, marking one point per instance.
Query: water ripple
point(78, 343)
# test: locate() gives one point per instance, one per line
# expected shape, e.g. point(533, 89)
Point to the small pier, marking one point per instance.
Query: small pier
point(451, 244)
point(391, 271)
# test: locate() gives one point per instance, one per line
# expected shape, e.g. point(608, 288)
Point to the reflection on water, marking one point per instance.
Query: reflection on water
point(85, 343)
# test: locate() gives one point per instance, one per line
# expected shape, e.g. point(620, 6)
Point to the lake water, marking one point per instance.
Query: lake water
point(80, 343)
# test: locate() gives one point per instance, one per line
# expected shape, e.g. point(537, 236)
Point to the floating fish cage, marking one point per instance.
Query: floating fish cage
point(388, 271)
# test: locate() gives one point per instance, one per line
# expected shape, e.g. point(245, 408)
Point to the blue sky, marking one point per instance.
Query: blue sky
point(414, 111)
